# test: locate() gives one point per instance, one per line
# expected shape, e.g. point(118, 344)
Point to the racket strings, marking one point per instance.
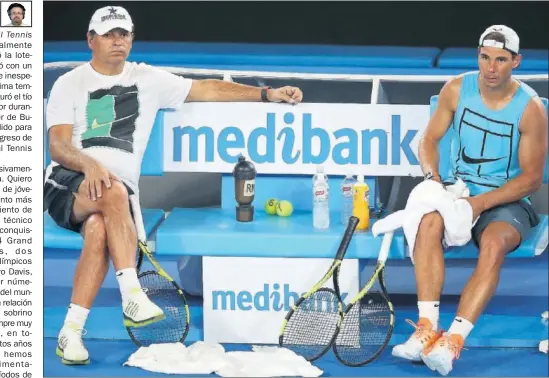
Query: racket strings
point(163, 293)
point(311, 327)
point(365, 330)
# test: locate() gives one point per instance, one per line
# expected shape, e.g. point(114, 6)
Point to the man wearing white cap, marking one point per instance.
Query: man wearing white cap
point(99, 117)
point(499, 145)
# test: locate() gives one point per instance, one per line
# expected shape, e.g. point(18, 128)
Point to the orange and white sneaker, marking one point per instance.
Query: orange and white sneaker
point(422, 338)
point(441, 355)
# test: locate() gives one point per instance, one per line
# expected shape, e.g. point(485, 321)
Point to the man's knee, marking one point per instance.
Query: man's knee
point(432, 225)
point(116, 195)
point(495, 242)
point(94, 231)
point(115, 198)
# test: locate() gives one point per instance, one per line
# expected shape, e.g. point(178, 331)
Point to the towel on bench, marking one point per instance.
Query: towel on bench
point(427, 197)
point(207, 358)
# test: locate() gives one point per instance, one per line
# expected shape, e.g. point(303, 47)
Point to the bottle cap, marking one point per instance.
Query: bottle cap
point(244, 170)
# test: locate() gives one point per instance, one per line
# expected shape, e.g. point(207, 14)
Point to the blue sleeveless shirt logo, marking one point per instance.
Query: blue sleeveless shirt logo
point(485, 141)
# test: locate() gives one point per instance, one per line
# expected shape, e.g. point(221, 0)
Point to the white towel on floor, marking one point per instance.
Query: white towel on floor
point(207, 358)
point(426, 197)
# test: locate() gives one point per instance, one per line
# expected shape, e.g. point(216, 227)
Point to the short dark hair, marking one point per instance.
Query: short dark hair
point(498, 37)
point(16, 5)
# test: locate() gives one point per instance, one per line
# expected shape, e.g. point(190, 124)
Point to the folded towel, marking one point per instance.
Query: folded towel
point(207, 358)
point(425, 198)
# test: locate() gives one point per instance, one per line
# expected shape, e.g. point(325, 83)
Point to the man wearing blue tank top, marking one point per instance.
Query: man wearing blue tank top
point(498, 149)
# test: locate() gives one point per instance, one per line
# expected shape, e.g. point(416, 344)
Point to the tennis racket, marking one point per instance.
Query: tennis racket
point(309, 326)
point(368, 320)
point(163, 291)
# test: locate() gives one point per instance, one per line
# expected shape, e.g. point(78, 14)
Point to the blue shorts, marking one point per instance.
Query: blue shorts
point(519, 214)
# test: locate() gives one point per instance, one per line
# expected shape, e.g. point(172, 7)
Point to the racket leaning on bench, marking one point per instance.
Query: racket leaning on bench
point(161, 288)
point(309, 327)
point(368, 321)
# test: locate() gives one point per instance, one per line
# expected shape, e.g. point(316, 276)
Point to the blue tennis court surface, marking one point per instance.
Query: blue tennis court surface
point(108, 357)
point(519, 316)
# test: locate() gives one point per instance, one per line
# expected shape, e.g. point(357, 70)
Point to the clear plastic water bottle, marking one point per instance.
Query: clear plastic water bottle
point(321, 199)
point(347, 186)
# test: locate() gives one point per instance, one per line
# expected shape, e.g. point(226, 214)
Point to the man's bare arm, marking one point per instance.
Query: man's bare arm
point(63, 152)
point(212, 90)
point(532, 153)
point(438, 125)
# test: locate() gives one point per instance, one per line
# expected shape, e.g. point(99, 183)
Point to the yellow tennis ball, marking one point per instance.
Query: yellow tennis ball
point(270, 206)
point(284, 208)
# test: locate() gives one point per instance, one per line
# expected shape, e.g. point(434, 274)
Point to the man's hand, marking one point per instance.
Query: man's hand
point(96, 175)
point(291, 95)
point(477, 204)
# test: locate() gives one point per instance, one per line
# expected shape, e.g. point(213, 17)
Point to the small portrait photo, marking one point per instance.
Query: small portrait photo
point(16, 14)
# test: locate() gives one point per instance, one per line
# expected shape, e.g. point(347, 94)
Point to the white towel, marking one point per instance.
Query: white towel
point(543, 345)
point(426, 197)
point(207, 358)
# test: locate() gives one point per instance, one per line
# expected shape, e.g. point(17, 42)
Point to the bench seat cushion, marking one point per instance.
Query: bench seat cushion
point(56, 237)
point(215, 232)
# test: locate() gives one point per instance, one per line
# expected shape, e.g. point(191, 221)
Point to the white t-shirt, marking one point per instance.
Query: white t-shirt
point(112, 116)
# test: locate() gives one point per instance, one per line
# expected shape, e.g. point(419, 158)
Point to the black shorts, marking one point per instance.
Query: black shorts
point(59, 198)
point(519, 214)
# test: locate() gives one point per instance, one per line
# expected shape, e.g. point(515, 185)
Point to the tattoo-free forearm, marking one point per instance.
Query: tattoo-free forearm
point(515, 189)
point(218, 90)
point(429, 156)
point(68, 156)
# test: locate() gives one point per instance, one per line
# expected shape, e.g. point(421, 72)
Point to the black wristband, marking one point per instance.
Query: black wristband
point(264, 94)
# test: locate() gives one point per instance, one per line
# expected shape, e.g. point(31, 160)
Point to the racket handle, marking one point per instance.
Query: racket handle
point(385, 246)
point(347, 236)
point(138, 217)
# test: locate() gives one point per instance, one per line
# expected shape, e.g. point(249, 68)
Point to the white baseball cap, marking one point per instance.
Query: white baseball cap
point(511, 38)
point(107, 18)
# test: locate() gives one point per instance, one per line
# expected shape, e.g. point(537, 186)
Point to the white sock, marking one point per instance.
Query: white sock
point(429, 310)
point(77, 315)
point(461, 326)
point(128, 281)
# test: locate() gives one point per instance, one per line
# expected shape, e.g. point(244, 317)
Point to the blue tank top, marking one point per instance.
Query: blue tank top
point(484, 147)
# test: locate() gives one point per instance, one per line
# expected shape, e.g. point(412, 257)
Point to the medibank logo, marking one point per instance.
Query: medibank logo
point(282, 141)
point(271, 298)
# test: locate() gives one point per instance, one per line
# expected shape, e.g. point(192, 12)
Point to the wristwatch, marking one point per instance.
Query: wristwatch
point(429, 176)
point(264, 94)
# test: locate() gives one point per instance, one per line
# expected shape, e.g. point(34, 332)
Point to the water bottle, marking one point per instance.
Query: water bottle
point(347, 187)
point(321, 197)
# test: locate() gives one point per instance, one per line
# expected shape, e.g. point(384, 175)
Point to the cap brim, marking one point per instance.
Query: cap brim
point(107, 26)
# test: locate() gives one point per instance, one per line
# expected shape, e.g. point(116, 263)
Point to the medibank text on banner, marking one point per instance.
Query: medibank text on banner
point(209, 137)
point(250, 308)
